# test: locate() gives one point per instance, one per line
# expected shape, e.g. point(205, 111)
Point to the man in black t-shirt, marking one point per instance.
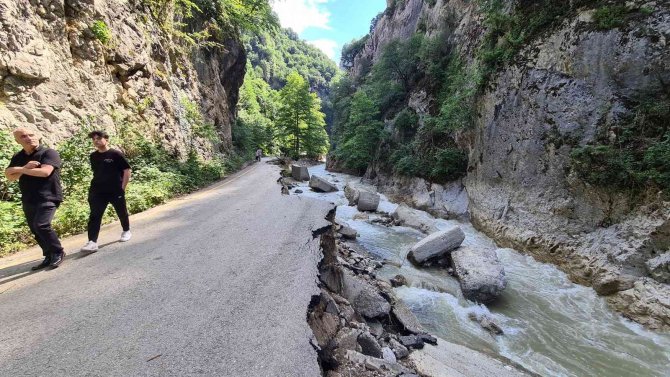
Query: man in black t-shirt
point(37, 168)
point(111, 173)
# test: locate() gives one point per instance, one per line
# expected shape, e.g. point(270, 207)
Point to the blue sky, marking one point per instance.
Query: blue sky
point(328, 24)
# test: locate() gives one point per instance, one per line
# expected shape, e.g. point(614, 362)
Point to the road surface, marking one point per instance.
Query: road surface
point(213, 284)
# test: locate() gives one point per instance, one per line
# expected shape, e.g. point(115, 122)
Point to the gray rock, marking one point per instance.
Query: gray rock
point(375, 364)
point(369, 345)
point(411, 341)
point(659, 268)
point(363, 297)
point(348, 232)
point(376, 328)
point(414, 218)
point(427, 338)
point(299, 173)
point(399, 350)
point(321, 185)
point(351, 193)
point(398, 281)
point(609, 282)
point(368, 201)
point(490, 325)
point(406, 318)
point(436, 245)
point(480, 273)
point(388, 355)
point(347, 339)
point(298, 191)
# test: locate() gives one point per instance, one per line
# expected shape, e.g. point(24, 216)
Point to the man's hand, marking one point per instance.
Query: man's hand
point(32, 165)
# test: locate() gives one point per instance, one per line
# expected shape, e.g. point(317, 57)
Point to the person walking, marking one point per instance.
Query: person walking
point(259, 154)
point(37, 168)
point(111, 173)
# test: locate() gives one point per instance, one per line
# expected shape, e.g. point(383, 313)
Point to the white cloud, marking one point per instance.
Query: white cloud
point(328, 46)
point(302, 14)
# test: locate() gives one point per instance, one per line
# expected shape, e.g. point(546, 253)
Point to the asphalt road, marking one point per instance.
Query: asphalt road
point(213, 284)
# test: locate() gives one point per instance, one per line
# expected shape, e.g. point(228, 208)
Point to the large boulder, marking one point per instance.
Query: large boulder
point(351, 192)
point(414, 218)
point(321, 185)
point(436, 245)
point(368, 201)
point(480, 273)
point(363, 297)
point(299, 173)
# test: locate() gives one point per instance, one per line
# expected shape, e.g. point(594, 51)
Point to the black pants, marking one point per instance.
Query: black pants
point(39, 216)
point(98, 203)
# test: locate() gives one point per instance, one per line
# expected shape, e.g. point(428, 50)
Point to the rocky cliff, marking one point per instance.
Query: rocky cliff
point(566, 87)
point(65, 63)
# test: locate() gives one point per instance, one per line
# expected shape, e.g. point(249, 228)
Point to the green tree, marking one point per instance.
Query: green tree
point(300, 120)
point(362, 132)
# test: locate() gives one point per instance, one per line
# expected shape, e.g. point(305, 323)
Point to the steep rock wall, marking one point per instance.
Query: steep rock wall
point(55, 74)
point(567, 84)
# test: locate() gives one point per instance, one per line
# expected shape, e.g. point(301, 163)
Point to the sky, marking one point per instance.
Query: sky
point(328, 24)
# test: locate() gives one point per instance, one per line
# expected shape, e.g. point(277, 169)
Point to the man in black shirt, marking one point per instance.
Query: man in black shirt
point(37, 168)
point(111, 173)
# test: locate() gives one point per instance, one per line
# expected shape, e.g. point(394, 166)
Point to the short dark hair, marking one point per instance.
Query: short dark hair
point(100, 134)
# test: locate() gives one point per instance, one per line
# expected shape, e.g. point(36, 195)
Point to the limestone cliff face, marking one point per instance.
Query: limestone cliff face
point(562, 89)
point(55, 74)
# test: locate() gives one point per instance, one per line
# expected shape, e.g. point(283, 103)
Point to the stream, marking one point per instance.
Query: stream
point(552, 326)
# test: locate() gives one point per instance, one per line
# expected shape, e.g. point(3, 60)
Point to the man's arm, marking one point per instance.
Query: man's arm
point(43, 171)
point(13, 173)
point(126, 179)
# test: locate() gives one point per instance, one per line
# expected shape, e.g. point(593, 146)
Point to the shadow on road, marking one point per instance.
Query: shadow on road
point(12, 273)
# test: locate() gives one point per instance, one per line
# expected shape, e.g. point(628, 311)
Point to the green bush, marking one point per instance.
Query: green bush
point(101, 31)
point(610, 17)
point(14, 233)
point(637, 156)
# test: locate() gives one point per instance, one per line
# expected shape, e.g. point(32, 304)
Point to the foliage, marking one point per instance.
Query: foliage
point(257, 109)
point(418, 146)
point(353, 48)
point(361, 133)
point(101, 31)
point(8, 147)
point(300, 121)
point(610, 17)
point(637, 156)
point(275, 54)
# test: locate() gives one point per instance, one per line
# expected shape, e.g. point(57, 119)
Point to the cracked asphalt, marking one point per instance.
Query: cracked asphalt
point(212, 284)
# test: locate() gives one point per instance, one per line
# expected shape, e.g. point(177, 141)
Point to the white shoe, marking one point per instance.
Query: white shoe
point(90, 246)
point(125, 236)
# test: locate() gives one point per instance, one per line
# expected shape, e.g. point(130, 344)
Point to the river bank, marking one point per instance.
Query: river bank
point(551, 325)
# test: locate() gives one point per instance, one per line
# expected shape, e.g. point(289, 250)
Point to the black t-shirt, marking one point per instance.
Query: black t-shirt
point(108, 170)
point(39, 189)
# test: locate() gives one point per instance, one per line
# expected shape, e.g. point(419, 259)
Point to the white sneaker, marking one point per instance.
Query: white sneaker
point(125, 236)
point(90, 246)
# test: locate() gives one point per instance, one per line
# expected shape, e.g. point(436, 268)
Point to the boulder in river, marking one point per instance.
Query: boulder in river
point(321, 185)
point(414, 218)
point(299, 173)
point(348, 232)
point(479, 272)
point(436, 245)
point(398, 281)
point(368, 201)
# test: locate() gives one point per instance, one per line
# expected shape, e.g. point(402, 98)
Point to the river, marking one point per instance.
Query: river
point(552, 326)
